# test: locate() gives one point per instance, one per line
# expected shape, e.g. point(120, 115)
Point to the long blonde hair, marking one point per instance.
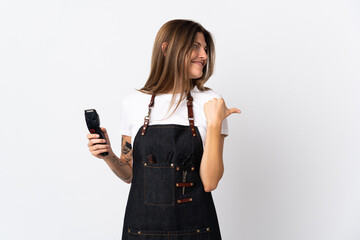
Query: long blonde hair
point(169, 72)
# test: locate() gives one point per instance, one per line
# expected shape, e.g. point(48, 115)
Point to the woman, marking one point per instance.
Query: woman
point(171, 169)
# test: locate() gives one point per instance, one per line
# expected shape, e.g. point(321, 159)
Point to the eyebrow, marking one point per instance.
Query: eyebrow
point(200, 44)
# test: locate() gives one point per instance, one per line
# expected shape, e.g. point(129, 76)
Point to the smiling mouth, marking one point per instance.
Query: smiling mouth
point(198, 63)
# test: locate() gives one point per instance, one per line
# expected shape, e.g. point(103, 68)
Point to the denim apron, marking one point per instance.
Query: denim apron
point(167, 198)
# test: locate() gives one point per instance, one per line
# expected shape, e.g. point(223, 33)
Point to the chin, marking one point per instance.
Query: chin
point(196, 76)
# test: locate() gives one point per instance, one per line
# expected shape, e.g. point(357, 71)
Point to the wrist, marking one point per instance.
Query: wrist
point(213, 128)
point(110, 156)
point(213, 124)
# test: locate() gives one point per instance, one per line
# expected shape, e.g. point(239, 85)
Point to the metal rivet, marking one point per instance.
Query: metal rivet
point(142, 134)
point(128, 230)
point(139, 232)
point(192, 184)
point(144, 127)
point(172, 164)
point(192, 169)
point(177, 168)
point(190, 199)
point(208, 229)
point(194, 135)
point(197, 230)
point(144, 164)
point(178, 201)
point(177, 184)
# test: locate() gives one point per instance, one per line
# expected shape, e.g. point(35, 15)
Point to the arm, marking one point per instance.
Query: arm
point(212, 168)
point(122, 166)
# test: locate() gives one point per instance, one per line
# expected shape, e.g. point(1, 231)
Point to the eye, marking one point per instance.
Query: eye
point(195, 46)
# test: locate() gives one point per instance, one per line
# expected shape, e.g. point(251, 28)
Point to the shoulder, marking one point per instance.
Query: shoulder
point(134, 96)
point(135, 102)
point(205, 95)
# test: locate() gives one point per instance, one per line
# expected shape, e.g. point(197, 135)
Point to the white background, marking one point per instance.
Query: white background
point(291, 159)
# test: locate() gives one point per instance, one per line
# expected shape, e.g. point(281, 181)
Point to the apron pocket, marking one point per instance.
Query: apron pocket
point(159, 184)
point(202, 233)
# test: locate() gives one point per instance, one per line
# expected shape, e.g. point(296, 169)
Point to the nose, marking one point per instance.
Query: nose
point(203, 54)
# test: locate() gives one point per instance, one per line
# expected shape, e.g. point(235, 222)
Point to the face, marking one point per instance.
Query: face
point(198, 57)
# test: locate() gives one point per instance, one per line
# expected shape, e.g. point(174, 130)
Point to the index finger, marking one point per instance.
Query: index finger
point(92, 135)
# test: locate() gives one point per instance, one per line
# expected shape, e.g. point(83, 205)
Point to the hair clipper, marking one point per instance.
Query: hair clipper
point(93, 124)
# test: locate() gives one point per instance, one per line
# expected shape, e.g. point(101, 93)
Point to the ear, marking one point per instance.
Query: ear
point(164, 47)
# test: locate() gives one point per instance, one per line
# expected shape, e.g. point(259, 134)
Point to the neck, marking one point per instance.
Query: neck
point(178, 92)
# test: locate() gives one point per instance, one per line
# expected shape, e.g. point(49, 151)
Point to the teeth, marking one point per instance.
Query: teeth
point(198, 63)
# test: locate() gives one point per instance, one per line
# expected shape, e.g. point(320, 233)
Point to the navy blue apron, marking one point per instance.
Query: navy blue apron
point(167, 198)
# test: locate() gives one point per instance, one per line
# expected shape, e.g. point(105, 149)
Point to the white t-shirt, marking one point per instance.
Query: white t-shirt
point(135, 108)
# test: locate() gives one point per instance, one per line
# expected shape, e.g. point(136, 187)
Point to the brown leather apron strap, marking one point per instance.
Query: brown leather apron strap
point(184, 200)
point(185, 184)
point(147, 118)
point(191, 114)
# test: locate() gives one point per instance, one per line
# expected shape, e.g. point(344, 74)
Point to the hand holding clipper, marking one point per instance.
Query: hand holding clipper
point(93, 124)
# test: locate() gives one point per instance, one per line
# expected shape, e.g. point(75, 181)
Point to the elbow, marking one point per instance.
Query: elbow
point(128, 180)
point(210, 187)
point(210, 184)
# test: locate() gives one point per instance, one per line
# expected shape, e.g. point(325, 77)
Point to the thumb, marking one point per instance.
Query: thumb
point(234, 110)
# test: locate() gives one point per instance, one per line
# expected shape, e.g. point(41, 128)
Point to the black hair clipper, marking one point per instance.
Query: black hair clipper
point(93, 124)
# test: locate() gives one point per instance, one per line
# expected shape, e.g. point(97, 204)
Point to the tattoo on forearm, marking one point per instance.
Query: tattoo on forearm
point(118, 162)
point(127, 152)
point(128, 158)
point(126, 146)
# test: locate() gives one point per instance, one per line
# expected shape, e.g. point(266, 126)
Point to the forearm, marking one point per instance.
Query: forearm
point(212, 168)
point(120, 167)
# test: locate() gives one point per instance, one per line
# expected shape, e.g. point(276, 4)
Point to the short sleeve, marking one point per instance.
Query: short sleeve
point(224, 127)
point(125, 128)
